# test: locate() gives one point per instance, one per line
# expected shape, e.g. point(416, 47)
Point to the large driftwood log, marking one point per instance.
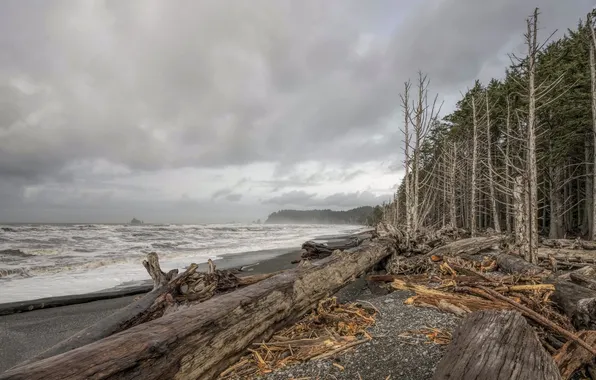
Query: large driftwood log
point(188, 287)
point(496, 345)
point(572, 357)
point(577, 302)
point(200, 341)
point(517, 265)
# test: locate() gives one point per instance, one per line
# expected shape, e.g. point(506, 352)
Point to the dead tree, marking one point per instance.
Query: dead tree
point(491, 185)
point(473, 184)
point(593, 86)
point(531, 170)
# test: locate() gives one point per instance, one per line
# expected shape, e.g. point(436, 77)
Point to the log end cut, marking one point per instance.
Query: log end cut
point(496, 345)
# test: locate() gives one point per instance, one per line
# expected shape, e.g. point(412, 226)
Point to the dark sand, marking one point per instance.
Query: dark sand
point(25, 335)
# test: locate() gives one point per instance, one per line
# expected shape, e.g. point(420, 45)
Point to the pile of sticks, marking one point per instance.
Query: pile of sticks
point(329, 329)
point(473, 276)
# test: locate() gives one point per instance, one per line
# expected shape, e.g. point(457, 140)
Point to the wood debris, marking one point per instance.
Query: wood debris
point(329, 329)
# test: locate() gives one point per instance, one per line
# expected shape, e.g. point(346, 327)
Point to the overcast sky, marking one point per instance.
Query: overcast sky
point(225, 110)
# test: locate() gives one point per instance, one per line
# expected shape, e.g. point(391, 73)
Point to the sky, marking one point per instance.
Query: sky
point(197, 111)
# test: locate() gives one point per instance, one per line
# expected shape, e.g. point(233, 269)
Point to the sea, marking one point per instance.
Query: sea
point(65, 259)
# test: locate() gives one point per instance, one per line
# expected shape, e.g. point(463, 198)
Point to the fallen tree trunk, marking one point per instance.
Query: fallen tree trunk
point(201, 341)
point(572, 357)
point(567, 255)
point(189, 285)
point(493, 345)
point(569, 243)
point(577, 302)
point(517, 265)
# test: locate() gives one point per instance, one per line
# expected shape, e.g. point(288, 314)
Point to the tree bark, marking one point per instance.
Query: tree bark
point(200, 341)
point(516, 265)
point(577, 302)
point(474, 163)
point(496, 345)
point(572, 357)
point(532, 175)
point(521, 238)
point(593, 84)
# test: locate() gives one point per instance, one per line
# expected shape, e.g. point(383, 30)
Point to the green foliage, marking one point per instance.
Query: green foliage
point(361, 215)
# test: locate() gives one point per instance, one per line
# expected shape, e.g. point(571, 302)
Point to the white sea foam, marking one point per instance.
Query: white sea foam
point(75, 259)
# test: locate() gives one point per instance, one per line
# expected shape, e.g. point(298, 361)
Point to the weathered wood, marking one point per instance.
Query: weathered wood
point(572, 357)
point(575, 244)
point(398, 264)
point(576, 302)
point(49, 302)
point(152, 305)
point(155, 304)
point(517, 265)
point(496, 345)
point(471, 246)
point(160, 278)
point(571, 255)
point(312, 250)
point(202, 340)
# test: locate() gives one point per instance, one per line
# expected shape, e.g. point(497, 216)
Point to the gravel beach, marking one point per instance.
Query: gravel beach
point(387, 356)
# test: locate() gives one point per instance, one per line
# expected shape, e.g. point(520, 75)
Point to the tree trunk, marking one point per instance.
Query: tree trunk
point(577, 302)
point(516, 265)
point(200, 341)
point(572, 357)
point(532, 176)
point(452, 199)
point(496, 345)
point(474, 163)
point(521, 238)
point(407, 186)
point(507, 167)
point(556, 205)
point(593, 82)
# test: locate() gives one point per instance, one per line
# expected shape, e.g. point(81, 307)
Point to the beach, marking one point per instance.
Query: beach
point(24, 335)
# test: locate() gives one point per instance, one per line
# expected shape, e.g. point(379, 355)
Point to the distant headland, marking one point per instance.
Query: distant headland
point(360, 215)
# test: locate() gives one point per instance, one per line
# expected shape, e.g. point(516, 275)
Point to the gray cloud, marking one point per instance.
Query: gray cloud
point(234, 197)
point(92, 91)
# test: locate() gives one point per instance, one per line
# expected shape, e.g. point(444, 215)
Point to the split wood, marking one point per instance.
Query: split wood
point(540, 319)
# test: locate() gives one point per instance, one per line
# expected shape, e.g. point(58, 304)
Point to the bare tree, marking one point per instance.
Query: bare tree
point(493, 199)
point(593, 83)
point(473, 184)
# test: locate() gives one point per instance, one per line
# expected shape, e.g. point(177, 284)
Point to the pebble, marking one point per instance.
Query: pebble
point(388, 354)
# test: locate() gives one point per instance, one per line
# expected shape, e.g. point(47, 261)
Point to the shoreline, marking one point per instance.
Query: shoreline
point(32, 332)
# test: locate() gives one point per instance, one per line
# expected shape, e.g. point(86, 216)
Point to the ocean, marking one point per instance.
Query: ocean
point(64, 259)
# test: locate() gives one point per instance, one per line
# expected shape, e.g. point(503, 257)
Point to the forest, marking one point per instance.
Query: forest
point(359, 215)
point(516, 155)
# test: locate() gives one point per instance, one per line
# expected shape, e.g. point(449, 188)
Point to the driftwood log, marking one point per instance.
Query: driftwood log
point(170, 291)
point(201, 341)
point(312, 250)
point(496, 345)
point(569, 243)
point(572, 357)
point(399, 264)
point(517, 265)
point(577, 302)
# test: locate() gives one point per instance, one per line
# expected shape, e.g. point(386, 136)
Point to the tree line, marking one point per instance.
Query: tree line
point(360, 215)
point(516, 155)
